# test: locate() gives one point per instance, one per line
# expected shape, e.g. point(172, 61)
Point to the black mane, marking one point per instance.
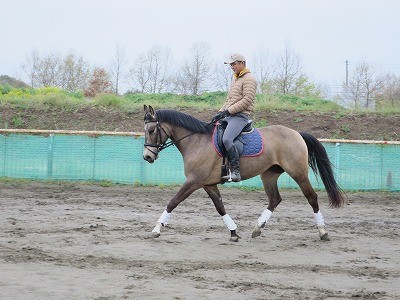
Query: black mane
point(186, 121)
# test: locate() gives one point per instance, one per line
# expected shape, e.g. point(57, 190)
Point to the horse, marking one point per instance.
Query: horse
point(285, 150)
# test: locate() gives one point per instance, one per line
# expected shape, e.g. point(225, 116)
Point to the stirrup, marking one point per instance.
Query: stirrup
point(228, 177)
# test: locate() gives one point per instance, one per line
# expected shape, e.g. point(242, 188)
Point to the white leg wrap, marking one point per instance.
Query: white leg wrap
point(229, 222)
point(266, 214)
point(157, 229)
point(164, 218)
point(319, 219)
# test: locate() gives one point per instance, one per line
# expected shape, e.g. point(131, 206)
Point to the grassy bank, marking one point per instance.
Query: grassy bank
point(48, 98)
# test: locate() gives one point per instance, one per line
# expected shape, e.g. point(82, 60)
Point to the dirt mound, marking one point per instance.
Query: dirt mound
point(322, 125)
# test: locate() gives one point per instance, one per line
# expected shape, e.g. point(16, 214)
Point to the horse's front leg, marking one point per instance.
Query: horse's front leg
point(215, 196)
point(185, 191)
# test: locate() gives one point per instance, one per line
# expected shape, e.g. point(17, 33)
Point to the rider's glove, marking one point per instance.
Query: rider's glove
point(224, 113)
point(220, 115)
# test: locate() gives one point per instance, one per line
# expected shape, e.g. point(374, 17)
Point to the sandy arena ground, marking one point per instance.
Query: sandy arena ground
point(73, 241)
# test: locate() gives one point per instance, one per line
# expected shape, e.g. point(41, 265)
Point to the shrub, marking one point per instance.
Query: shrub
point(108, 100)
point(5, 89)
point(99, 83)
point(48, 90)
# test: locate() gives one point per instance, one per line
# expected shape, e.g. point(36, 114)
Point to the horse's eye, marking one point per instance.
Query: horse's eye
point(151, 131)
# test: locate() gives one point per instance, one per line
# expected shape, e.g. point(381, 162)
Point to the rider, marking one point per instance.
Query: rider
point(237, 109)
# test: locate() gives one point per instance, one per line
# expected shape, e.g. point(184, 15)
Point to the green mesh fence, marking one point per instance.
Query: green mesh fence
point(118, 158)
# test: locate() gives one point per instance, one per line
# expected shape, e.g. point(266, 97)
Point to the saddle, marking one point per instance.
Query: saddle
point(248, 143)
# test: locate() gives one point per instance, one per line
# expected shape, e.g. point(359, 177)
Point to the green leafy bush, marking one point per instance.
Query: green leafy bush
point(108, 100)
point(5, 89)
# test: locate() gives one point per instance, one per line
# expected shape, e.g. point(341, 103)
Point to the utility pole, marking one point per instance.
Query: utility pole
point(347, 72)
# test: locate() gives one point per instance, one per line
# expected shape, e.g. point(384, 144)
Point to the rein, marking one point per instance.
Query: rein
point(163, 145)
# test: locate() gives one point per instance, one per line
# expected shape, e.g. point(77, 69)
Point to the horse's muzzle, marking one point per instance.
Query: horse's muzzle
point(148, 158)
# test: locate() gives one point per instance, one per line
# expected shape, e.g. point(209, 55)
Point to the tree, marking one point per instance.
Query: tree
point(194, 75)
point(390, 93)
point(31, 68)
point(75, 73)
point(263, 69)
point(118, 66)
point(288, 71)
point(139, 75)
point(222, 77)
point(69, 72)
point(99, 83)
point(285, 76)
point(363, 85)
point(151, 71)
point(49, 70)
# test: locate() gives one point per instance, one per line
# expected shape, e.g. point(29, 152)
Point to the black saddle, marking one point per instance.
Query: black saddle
point(238, 141)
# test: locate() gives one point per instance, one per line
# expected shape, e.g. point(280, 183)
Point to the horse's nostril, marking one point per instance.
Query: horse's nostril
point(148, 158)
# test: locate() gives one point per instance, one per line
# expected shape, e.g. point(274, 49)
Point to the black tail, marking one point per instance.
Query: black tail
point(318, 158)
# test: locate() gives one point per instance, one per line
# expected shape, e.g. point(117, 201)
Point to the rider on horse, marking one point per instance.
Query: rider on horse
point(237, 109)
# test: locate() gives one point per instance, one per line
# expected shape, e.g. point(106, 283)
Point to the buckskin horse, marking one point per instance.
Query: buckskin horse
point(284, 150)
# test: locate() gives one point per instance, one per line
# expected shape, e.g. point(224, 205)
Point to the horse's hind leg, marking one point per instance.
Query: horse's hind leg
point(270, 182)
point(215, 195)
point(312, 197)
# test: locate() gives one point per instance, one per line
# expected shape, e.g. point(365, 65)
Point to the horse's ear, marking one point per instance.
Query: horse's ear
point(146, 109)
point(151, 111)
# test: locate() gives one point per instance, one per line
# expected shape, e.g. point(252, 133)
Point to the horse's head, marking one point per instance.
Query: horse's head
point(155, 135)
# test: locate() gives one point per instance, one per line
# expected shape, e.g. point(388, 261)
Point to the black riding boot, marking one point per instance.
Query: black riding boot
point(233, 156)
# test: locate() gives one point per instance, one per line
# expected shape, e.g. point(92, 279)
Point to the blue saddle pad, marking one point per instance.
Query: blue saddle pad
point(252, 143)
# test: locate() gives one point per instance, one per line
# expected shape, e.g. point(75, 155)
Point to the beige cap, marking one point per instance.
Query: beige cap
point(235, 57)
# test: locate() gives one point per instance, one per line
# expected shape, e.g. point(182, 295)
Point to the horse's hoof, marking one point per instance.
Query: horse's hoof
point(155, 234)
point(323, 234)
point(325, 237)
point(157, 230)
point(256, 232)
point(234, 238)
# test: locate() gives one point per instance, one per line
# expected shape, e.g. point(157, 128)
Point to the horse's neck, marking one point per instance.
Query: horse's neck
point(185, 140)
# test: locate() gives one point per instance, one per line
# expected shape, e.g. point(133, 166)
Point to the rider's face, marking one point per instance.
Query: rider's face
point(237, 66)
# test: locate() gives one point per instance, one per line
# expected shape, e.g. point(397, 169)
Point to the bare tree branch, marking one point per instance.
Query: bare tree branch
point(31, 68)
point(363, 85)
point(118, 65)
point(70, 73)
point(288, 70)
point(223, 77)
point(75, 73)
point(195, 72)
point(263, 69)
point(390, 94)
point(151, 71)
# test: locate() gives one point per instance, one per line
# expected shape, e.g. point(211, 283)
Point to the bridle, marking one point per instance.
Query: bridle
point(158, 144)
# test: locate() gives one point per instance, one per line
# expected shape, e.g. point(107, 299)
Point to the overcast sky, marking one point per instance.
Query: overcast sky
point(324, 32)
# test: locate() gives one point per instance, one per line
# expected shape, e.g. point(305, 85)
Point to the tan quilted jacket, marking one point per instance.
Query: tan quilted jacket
point(241, 95)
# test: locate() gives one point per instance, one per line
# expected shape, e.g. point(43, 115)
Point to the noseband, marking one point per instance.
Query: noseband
point(158, 144)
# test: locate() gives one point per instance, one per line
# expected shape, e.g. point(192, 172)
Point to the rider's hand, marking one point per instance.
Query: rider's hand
point(216, 118)
point(224, 113)
point(220, 115)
